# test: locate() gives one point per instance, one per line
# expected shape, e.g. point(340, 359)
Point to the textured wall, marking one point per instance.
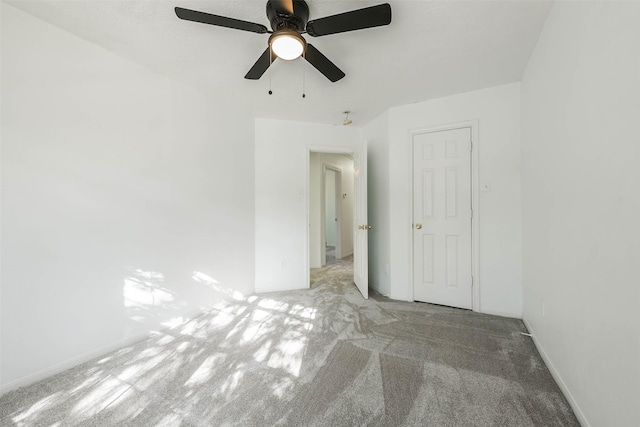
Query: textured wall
point(127, 199)
point(282, 191)
point(497, 111)
point(581, 205)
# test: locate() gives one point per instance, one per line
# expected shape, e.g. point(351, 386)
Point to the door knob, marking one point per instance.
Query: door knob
point(369, 227)
point(418, 226)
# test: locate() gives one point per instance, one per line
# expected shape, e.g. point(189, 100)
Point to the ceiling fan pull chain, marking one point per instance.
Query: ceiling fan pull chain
point(270, 63)
point(304, 69)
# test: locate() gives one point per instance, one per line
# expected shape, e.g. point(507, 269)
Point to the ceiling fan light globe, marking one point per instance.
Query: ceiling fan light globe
point(287, 46)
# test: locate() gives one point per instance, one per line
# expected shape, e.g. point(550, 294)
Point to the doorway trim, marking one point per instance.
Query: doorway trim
point(338, 206)
point(307, 194)
point(475, 219)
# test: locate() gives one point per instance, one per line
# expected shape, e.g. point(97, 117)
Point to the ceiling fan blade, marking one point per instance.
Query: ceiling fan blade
point(374, 16)
point(220, 21)
point(322, 64)
point(261, 65)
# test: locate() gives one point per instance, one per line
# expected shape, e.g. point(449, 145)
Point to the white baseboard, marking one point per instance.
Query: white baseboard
point(499, 313)
point(86, 357)
point(556, 376)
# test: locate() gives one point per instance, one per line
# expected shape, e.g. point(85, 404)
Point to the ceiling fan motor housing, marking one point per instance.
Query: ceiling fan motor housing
point(281, 18)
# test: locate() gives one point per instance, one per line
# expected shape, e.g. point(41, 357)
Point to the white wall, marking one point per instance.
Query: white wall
point(376, 133)
point(281, 195)
point(345, 164)
point(497, 110)
point(581, 205)
point(117, 185)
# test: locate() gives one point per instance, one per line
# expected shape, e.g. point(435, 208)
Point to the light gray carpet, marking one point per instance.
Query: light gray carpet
point(319, 357)
point(330, 253)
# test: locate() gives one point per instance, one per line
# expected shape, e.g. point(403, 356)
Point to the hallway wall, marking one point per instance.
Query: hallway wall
point(315, 187)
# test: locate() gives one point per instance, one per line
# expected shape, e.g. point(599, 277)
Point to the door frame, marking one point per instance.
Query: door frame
point(307, 195)
point(338, 205)
point(475, 220)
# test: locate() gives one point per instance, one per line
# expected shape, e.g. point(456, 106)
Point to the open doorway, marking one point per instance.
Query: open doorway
point(331, 209)
point(331, 213)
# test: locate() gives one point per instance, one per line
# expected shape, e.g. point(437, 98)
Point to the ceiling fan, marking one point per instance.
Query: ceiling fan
point(289, 20)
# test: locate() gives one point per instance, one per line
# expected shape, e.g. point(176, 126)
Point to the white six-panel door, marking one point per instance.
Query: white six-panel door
point(442, 217)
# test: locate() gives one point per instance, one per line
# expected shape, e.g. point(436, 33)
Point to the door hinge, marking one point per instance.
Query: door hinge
point(472, 281)
point(472, 213)
point(470, 145)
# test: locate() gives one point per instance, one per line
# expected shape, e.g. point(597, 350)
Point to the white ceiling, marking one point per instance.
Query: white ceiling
point(431, 49)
